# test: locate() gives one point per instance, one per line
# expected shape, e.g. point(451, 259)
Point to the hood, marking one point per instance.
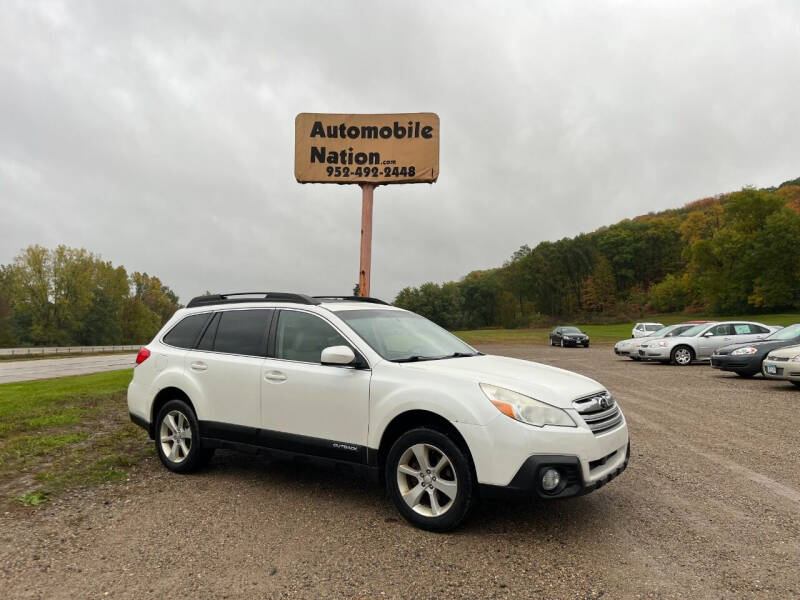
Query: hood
point(786, 352)
point(549, 384)
point(670, 340)
point(762, 346)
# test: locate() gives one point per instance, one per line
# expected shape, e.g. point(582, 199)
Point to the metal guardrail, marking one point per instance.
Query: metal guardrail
point(64, 350)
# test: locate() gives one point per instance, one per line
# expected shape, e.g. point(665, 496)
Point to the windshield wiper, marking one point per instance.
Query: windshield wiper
point(416, 358)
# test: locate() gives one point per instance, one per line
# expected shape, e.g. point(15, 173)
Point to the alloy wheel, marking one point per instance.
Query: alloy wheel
point(683, 356)
point(176, 436)
point(427, 480)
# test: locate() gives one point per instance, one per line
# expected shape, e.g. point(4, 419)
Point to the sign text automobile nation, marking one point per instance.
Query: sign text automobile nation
point(377, 149)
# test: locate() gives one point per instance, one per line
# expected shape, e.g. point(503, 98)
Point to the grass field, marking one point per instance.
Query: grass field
point(608, 334)
point(61, 433)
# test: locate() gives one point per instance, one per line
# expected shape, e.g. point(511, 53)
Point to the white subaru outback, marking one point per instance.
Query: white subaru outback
point(354, 380)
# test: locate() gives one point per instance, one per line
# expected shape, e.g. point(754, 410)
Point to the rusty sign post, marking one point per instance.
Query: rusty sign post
point(365, 262)
point(368, 150)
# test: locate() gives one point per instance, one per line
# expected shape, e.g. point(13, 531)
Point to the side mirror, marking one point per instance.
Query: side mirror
point(337, 355)
point(708, 334)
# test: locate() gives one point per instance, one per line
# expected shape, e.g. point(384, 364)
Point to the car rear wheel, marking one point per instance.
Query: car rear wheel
point(429, 479)
point(177, 440)
point(682, 356)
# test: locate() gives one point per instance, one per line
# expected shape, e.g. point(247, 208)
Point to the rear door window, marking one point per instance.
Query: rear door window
point(243, 332)
point(185, 333)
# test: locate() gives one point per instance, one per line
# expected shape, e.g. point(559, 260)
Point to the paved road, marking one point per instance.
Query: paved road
point(708, 508)
point(47, 368)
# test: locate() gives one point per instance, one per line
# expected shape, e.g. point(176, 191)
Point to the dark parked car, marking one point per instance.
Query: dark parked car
point(568, 336)
point(746, 359)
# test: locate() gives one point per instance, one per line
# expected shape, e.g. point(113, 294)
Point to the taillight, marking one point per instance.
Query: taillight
point(143, 355)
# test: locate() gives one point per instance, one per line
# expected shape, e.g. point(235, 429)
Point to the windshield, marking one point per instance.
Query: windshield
point(663, 331)
point(403, 336)
point(692, 331)
point(678, 330)
point(787, 333)
point(570, 330)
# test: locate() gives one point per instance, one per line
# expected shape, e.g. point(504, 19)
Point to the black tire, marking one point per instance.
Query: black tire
point(679, 354)
point(457, 470)
point(586, 345)
point(197, 456)
point(797, 383)
point(745, 375)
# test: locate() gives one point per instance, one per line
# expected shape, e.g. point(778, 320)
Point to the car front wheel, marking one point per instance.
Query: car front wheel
point(429, 479)
point(177, 440)
point(681, 356)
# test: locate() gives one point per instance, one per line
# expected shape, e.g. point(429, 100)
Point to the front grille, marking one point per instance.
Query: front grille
point(599, 411)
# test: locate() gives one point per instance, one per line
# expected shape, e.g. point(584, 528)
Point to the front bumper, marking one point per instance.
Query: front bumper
point(784, 369)
point(576, 343)
point(656, 353)
point(507, 453)
point(527, 481)
point(746, 363)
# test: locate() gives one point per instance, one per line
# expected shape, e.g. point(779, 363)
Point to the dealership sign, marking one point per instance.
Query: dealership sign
point(366, 149)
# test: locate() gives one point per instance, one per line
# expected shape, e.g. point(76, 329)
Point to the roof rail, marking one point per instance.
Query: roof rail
point(353, 299)
point(254, 297)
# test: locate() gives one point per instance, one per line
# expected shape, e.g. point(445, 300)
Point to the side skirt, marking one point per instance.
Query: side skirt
point(278, 444)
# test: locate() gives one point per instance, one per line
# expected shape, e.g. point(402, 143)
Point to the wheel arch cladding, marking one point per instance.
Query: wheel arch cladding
point(164, 396)
point(413, 419)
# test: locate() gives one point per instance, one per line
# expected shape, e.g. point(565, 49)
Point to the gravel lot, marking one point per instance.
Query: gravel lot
point(708, 508)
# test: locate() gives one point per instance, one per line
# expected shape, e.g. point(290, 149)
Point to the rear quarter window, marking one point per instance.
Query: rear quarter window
point(185, 333)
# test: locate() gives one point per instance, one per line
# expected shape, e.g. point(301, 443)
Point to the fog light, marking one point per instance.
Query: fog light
point(550, 480)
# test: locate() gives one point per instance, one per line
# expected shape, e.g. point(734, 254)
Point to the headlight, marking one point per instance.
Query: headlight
point(748, 350)
point(526, 409)
point(663, 344)
point(795, 358)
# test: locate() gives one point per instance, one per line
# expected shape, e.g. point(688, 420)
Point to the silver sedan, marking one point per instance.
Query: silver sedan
point(700, 342)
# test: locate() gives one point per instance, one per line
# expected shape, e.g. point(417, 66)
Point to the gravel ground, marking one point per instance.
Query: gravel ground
point(708, 508)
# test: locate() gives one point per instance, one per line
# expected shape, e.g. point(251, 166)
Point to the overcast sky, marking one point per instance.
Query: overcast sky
point(160, 134)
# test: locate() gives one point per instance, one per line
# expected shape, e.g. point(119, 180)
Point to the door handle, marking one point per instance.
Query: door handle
point(275, 377)
point(198, 366)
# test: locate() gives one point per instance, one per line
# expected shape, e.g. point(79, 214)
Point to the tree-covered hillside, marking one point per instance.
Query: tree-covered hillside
point(69, 296)
point(733, 253)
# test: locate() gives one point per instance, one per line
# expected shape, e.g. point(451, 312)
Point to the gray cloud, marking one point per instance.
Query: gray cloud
point(161, 134)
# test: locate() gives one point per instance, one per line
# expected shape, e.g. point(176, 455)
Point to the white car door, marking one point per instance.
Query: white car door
point(307, 406)
point(226, 366)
